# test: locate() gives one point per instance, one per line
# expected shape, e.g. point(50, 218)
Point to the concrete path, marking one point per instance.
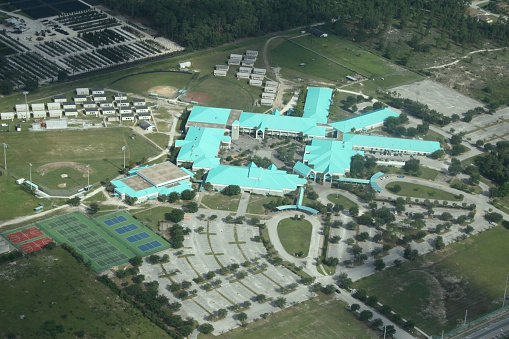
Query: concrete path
point(244, 201)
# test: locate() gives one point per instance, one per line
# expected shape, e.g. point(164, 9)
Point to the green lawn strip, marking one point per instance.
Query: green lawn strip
point(256, 203)
point(425, 172)
point(194, 269)
point(141, 84)
point(238, 244)
point(50, 285)
point(473, 189)
point(420, 191)
point(476, 285)
point(186, 255)
point(320, 317)
point(273, 281)
point(98, 197)
point(160, 139)
point(219, 201)
point(295, 235)
point(339, 199)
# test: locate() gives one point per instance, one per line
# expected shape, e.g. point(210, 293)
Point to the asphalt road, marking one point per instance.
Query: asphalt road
point(498, 330)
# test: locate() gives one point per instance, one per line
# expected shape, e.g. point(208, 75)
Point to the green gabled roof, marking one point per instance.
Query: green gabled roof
point(276, 180)
point(395, 144)
point(201, 146)
point(362, 121)
point(318, 101)
point(329, 156)
point(301, 168)
point(209, 115)
point(306, 126)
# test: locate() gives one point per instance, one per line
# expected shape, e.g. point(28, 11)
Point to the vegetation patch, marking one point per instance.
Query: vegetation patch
point(219, 201)
point(341, 200)
point(419, 191)
point(295, 236)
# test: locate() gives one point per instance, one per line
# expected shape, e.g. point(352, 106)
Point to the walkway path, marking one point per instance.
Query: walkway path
point(244, 201)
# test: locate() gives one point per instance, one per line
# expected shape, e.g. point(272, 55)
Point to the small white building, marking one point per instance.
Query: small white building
point(59, 98)
point(120, 96)
point(257, 83)
point(220, 73)
point(252, 53)
point(99, 97)
point(54, 105)
point(144, 116)
point(56, 123)
point(262, 71)
point(89, 104)
point(39, 114)
point(91, 111)
point(139, 102)
point(184, 65)
point(234, 62)
point(258, 77)
point(271, 96)
point(146, 126)
point(68, 105)
point(270, 89)
point(125, 110)
point(96, 91)
point(82, 91)
point(141, 109)
point(248, 63)
point(242, 75)
point(267, 102)
point(123, 103)
point(108, 111)
point(107, 103)
point(22, 115)
point(21, 108)
point(113, 118)
point(71, 112)
point(55, 113)
point(80, 98)
point(7, 115)
point(127, 117)
point(271, 84)
point(222, 67)
point(38, 107)
point(235, 56)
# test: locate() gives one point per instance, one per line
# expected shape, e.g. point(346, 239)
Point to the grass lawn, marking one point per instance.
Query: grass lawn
point(160, 139)
point(475, 188)
point(152, 216)
point(420, 191)
point(256, 203)
point(339, 199)
point(426, 173)
point(321, 317)
point(442, 285)
point(295, 235)
point(219, 201)
point(37, 288)
point(142, 84)
point(101, 148)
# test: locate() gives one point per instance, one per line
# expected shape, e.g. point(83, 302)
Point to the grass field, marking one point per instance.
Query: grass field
point(339, 199)
point(160, 139)
point(256, 203)
point(144, 83)
point(420, 191)
point(151, 216)
point(295, 235)
point(219, 201)
point(321, 317)
point(101, 148)
point(442, 285)
point(52, 286)
point(426, 173)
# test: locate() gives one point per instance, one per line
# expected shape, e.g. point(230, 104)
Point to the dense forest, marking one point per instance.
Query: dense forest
point(198, 24)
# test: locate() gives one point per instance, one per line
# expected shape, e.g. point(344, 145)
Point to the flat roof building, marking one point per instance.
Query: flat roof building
point(70, 112)
point(220, 73)
point(7, 115)
point(279, 125)
point(59, 98)
point(56, 123)
point(39, 114)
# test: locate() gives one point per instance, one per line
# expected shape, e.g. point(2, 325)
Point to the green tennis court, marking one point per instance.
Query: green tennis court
point(104, 245)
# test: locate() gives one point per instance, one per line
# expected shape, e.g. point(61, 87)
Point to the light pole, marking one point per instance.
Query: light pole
point(5, 156)
point(26, 102)
point(505, 290)
point(123, 149)
point(88, 177)
point(30, 164)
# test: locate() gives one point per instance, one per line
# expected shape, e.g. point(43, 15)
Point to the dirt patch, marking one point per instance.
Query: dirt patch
point(42, 170)
point(62, 185)
point(199, 97)
point(164, 91)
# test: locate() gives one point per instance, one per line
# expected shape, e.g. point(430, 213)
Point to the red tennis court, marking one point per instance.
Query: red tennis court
point(35, 246)
point(24, 235)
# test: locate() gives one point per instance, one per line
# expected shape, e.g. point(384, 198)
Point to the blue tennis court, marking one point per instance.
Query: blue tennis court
point(150, 245)
point(115, 220)
point(127, 228)
point(138, 237)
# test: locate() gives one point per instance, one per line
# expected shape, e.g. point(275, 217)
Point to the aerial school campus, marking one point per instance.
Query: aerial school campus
point(277, 201)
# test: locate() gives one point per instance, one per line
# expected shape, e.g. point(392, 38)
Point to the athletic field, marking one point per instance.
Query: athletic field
point(106, 241)
point(28, 239)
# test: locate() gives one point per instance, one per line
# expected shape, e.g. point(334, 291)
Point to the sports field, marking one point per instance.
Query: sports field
point(28, 239)
point(106, 241)
point(53, 153)
point(162, 83)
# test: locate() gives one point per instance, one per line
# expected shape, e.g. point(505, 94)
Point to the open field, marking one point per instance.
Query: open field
point(420, 191)
point(321, 317)
point(426, 173)
point(68, 152)
point(443, 284)
point(37, 288)
point(145, 83)
point(256, 203)
point(160, 139)
point(219, 201)
point(295, 235)
point(151, 216)
point(339, 199)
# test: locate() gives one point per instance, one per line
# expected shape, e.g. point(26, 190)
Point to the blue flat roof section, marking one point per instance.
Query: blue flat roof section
point(318, 101)
point(209, 115)
point(148, 246)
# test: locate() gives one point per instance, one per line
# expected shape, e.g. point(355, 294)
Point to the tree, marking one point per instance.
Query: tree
point(331, 261)
point(456, 139)
point(377, 237)
point(62, 76)
point(335, 239)
point(136, 261)
point(438, 154)
point(439, 243)
point(396, 188)
point(329, 289)
point(455, 167)
point(176, 215)
point(390, 330)
point(206, 328)
point(458, 149)
point(355, 307)
point(376, 323)
point(412, 166)
point(221, 313)
point(242, 317)
point(173, 197)
point(365, 315)
point(280, 302)
point(31, 85)
point(187, 195)
point(261, 298)
point(6, 87)
point(317, 287)
point(231, 190)
point(372, 300)
point(76, 201)
point(446, 216)
point(192, 207)
point(469, 229)
point(379, 264)
point(354, 211)
point(363, 236)
point(493, 217)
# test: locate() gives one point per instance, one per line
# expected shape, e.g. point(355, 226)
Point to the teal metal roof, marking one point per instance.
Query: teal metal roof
point(393, 144)
point(354, 180)
point(301, 168)
point(307, 126)
point(209, 115)
point(153, 191)
point(330, 156)
point(254, 177)
point(373, 180)
point(201, 146)
point(318, 101)
point(362, 121)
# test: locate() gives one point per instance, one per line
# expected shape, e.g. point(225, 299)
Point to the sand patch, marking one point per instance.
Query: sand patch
point(62, 185)
point(164, 91)
point(199, 97)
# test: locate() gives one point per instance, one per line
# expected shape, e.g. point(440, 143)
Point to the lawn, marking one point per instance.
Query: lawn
point(256, 203)
point(321, 317)
point(219, 201)
point(426, 173)
point(442, 285)
point(145, 83)
point(36, 288)
point(160, 139)
point(53, 153)
point(420, 191)
point(339, 199)
point(152, 216)
point(295, 235)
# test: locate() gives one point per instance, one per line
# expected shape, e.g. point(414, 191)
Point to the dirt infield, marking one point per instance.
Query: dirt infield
point(164, 91)
point(54, 165)
point(199, 97)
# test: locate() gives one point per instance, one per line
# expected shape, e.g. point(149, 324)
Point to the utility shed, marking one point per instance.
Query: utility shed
point(271, 84)
point(54, 105)
point(146, 125)
point(91, 111)
point(125, 110)
point(259, 71)
point(317, 32)
point(267, 102)
point(22, 115)
point(108, 111)
point(220, 73)
point(144, 116)
point(82, 91)
point(89, 104)
point(222, 67)
point(268, 96)
point(139, 102)
point(242, 75)
point(185, 64)
point(99, 97)
point(270, 89)
point(248, 63)
point(97, 90)
point(68, 105)
point(56, 123)
point(258, 77)
point(141, 109)
point(234, 62)
point(252, 53)
point(245, 69)
point(120, 96)
point(235, 56)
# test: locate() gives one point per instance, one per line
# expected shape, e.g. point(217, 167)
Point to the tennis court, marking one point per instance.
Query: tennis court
point(138, 237)
point(114, 220)
point(150, 245)
point(24, 235)
point(127, 228)
point(35, 245)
